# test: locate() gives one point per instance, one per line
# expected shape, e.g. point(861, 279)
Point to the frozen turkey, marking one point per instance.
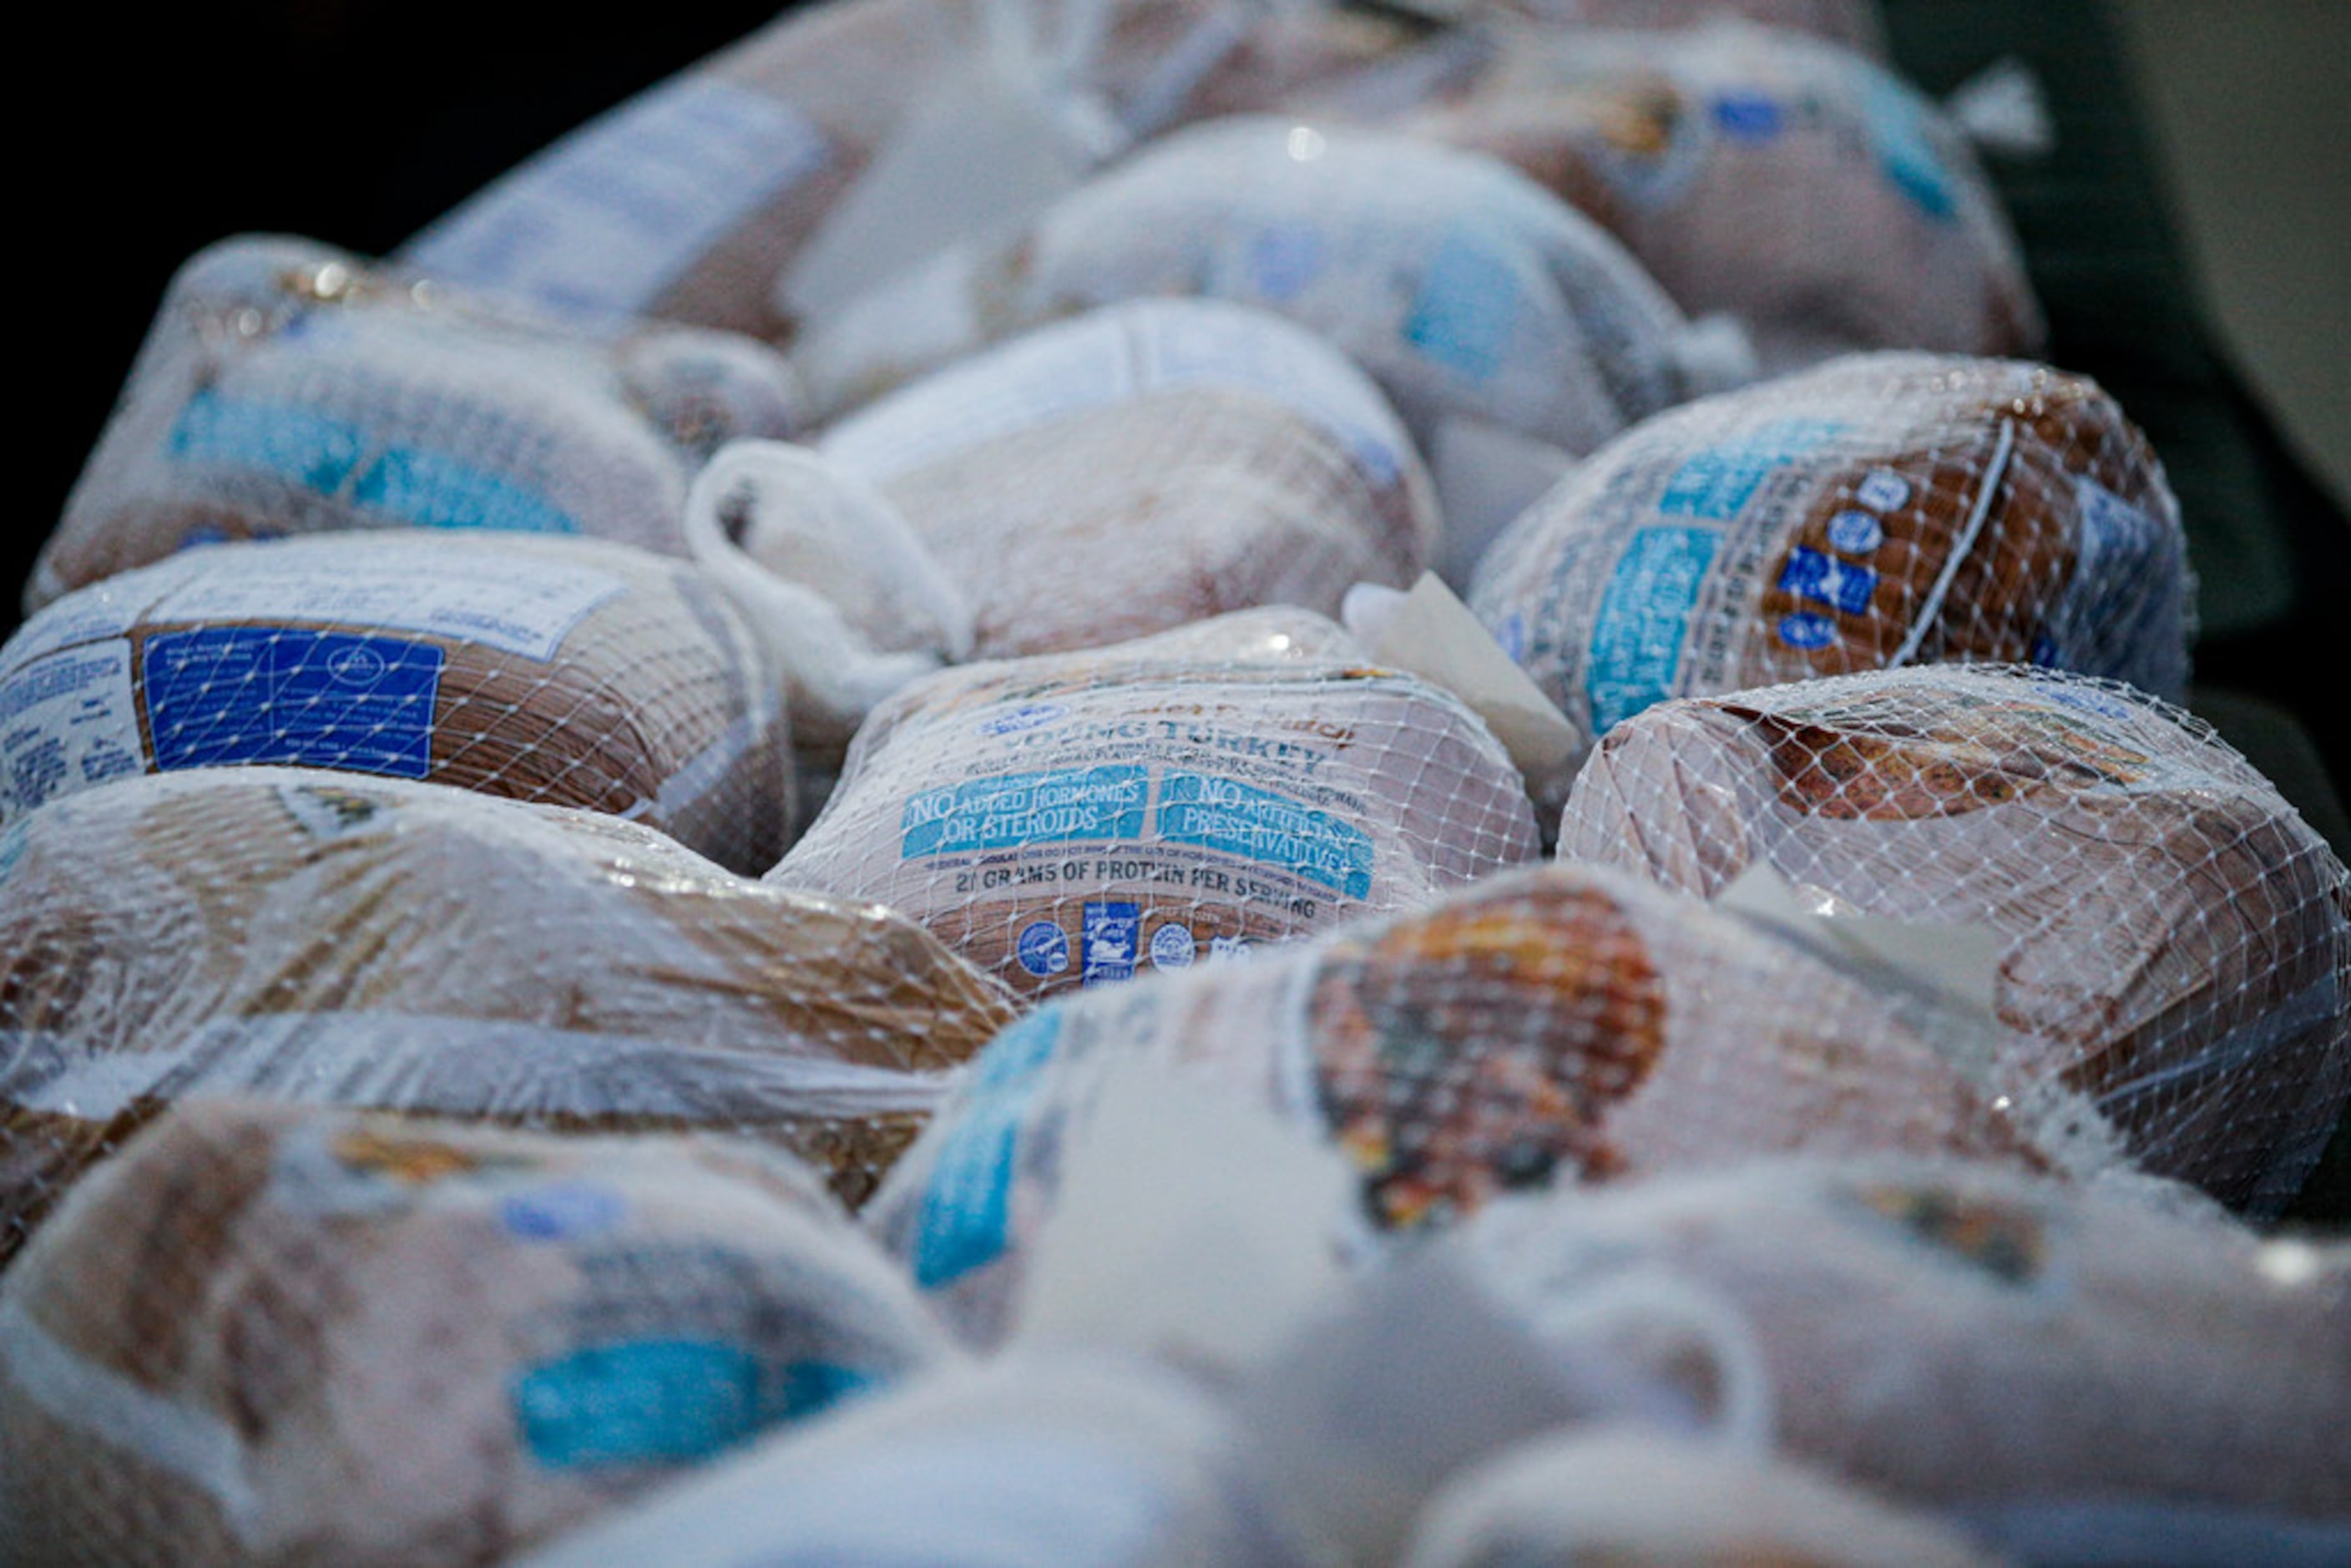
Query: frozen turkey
point(562, 671)
point(326, 938)
point(1148, 464)
point(2173, 939)
point(405, 1340)
point(287, 388)
point(1077, 819)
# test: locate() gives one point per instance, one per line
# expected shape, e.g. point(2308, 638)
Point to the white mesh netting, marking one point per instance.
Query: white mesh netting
point(287, 387)
point(1690, 146)
point(1882, 509)
point(323, 939)
point(1460, 285)
point(275, 1334)
point(567, 672)
point(1561, 1023)
point(1075, 819)
point(2174, 940)
point(1200, 458)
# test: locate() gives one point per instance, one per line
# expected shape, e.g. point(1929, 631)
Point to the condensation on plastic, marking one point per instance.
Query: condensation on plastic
point(692, 201)
point(1464, 288)
point(1078, 819)
point(1951, 1335)
point(1145, 465)
point(1880, 510)
point(287, 387)
point(1019, 1461)
point(264, 1333)
point(2175, 941)
point(328, 939)
point(1804, 189)
point(1616, 1494)
point(1559, 1023)
point(568, 672)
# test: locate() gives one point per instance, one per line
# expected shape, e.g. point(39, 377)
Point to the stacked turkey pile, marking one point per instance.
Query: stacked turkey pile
point(945, 968)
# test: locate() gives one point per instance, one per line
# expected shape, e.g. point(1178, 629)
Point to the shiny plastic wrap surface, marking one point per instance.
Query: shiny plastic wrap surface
point(1882, 509)
point(2174, 940)
point(1464, 288)
point(1561, 1023)
point(562, 671)
point(1968, 1338)
point(272, 1334)
point(1145, 465)
point(286, 388)
point(1804, 189)
point(327, 939)
point(1078, 818)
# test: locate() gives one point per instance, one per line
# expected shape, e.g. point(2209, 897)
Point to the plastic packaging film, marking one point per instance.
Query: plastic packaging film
point(694, 200)
point(562, 671)
point(287, 387)
point(327, 939)
point(2174, 940)
point(1078, 819)
point(1882, 509)
point(1557, 1024)
point(1462, 287)
point(1692, 148)
point(271, 1334)
point(1145, 465)
point(1971, 1339)
point(1856, 24)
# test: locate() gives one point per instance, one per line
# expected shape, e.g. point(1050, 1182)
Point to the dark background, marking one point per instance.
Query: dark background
point(357, 122)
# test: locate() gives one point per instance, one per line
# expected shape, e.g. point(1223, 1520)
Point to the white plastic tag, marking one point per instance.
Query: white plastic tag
point(1959, 964)
point(1431, 633)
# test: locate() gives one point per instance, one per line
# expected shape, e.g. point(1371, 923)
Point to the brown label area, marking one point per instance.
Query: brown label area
point(1479, 1049)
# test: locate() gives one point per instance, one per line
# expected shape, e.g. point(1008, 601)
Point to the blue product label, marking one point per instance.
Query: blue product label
point(1719, 481)
point(1900, 136)
point(1467, 304)
point(1748, 117)
point(12, 850)
point(663, 1401)
point(1805, 630)
point(1018, 809)
point(564, 1212)
point(265, 694)
point(1031, 715)
point(1636, 644)
point(1827, 579)
point(1043, 949)
point(1173, 948)
point(1110, 934)
point(337, 458)
point(1856, 532)
point(966, 1208)
point(1238, 819)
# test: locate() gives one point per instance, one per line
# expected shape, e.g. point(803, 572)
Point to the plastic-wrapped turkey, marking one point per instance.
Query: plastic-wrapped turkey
point(695, 201)
point(1856, 24)
point(1800, 187)
point(1465, 289)
point(286, 388)
point(1079, 818)
point(1557, 1023)
point(324, 938)
point(563, 671)
point(2172, 939)
point(274, 1334)
point(2064, 1370)
point(1879, 510)
point(1145, 465)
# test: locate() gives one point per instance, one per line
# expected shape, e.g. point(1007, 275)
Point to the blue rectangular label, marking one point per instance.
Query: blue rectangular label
point(967, 1209)
point(1108, 941)
point(1238, 819)
point(1018, 809)
point(1825, 579)
point(226, 694)
point(1467, 305)
point(1719, 480)
point(336, 457)
point(1636, 644)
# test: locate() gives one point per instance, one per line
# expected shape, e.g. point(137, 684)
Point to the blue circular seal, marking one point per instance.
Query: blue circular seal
point(1172, 947)
point(1856, 533)
point(1043, 949)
